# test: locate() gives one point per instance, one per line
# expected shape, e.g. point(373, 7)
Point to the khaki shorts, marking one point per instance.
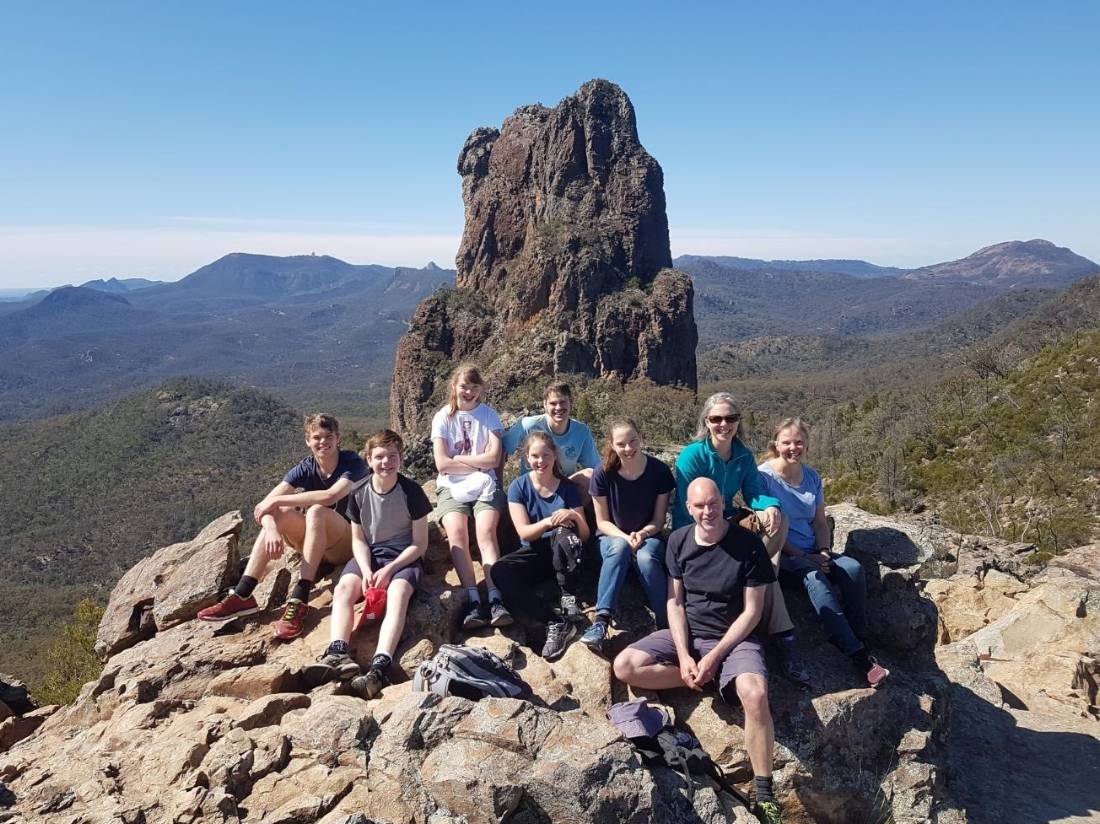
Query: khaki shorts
point(445, 504)
point(337, 553)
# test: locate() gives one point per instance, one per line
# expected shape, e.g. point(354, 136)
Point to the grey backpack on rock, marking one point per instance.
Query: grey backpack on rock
point(469, 672)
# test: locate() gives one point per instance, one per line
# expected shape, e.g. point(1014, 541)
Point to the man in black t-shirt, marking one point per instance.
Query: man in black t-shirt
point(323, 533)
point(718, 573)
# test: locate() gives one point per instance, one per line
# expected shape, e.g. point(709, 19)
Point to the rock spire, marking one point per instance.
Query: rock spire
point(564, 266)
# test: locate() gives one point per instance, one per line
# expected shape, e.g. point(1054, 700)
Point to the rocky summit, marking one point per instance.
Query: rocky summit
point(564, 265)
point(990, 714)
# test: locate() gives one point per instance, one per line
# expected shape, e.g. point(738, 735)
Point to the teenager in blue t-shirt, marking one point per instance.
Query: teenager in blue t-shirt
point(543, 502)
point(573, 439)
point(808, 553)
point(630, 493)
point(319, 484)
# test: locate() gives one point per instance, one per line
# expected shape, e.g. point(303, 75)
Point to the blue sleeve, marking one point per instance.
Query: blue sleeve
point(354, 467)
point(296, 474)
point(590, 455)
point(513, 437)
point(597, 487)
point(819, 489)
point(687, 470)
point(515, 491)
point(570, 495)
point(753, 490)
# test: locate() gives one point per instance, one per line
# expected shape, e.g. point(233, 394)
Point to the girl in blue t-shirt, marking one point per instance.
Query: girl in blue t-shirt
point(548, 514)
point(807, 552)
point(630, 493)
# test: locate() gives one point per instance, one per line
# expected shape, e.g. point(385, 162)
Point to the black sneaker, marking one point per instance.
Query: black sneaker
point(476, 616)
point(499, 616)
point(370, 684)
point(569, 609)
point(558, 636)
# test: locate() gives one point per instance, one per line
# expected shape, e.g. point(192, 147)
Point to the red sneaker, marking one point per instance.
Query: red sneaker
point(231, 606)
point(290, 625)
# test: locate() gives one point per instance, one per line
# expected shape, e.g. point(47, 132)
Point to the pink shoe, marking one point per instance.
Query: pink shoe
point(231, 606)
point(876, 674)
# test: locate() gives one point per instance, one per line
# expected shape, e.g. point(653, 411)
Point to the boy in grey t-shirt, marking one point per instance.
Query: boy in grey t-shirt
point(389, 534)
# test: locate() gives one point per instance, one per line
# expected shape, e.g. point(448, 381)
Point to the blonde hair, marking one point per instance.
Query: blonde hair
point(320, 420)
point(787, 423)
point(702, 433)
point(464, 372)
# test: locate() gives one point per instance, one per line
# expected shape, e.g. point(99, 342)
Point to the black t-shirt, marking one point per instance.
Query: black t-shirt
point(715, 576)
point(308, 478)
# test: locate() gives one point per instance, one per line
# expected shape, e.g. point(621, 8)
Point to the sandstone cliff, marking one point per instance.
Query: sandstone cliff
point(564, 265)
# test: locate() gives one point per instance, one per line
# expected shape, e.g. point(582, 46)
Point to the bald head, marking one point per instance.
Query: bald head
point(704, 503)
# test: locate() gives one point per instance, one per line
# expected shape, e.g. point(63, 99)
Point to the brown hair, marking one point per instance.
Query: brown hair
point(384, 437)
point(320, 420)
point(464, 372)
point(539, 435)
point(612, 463)
point(557, 388)
point(786, 423)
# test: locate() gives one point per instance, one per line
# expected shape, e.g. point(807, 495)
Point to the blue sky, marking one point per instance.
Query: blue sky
point(145, 139)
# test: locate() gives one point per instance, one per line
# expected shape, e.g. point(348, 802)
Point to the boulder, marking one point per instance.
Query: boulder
point(170, 586)
point(15, 695)
point(17, 727)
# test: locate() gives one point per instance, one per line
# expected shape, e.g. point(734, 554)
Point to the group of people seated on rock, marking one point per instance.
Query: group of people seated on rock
point(712, 585)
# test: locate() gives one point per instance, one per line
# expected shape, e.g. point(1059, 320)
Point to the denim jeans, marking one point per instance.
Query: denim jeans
point(650, 561)
point(845, 624)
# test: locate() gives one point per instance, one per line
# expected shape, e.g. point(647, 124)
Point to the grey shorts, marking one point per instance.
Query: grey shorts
point(445, 504)
point(746, 657)
point(412, 573)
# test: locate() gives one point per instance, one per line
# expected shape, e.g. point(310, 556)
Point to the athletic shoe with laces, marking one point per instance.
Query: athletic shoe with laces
point(340, 663)
point(231, 606)
point(294, 616)
point(569, 609)
point(370, 684)
point(767, 812)
point(499, 616)
point(558, 636)
point(595, 635)
point(475, 616)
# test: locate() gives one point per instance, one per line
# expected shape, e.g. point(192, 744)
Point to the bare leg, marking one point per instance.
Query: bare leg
point(486, 522)
point(638, 669)
point(398, 595)
point(292, 526)
point(349, 591)
point(458, 536)
point(752, 689)
point(324, 529)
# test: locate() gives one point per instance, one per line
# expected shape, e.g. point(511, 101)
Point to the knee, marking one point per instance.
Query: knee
point(624, 666)
point(849, 566)
point(650, 555)
point(316, 513)
point(348, 590)
point(753, 693)
point(615, 549)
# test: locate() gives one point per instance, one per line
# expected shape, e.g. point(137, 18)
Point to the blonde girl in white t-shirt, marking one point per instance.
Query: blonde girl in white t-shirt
point(466, 444)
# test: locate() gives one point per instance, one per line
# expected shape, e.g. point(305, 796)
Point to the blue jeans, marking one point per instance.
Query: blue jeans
point(650, 561)
point(845, 624)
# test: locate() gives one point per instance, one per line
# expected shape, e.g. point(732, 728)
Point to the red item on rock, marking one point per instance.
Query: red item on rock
point(373, 608)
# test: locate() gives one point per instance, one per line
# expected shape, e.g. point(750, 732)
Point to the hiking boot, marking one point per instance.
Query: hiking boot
point(558, 636)
point(594, 636)
point(231, 606)
point(370, 684)
point(475, 616)
point(569, 609)
point(797, 671)
point(294, 616)
point(767, 812)
point(499, 616)
point(876, 674)
point(340, 663)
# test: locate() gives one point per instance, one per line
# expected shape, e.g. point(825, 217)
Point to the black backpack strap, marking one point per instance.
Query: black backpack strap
point(725, 784)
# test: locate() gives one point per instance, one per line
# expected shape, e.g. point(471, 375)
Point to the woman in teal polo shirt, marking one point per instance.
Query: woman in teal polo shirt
point(719, 454)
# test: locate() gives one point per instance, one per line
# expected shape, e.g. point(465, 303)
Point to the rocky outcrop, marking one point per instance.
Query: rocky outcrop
point(201, 723)
point(564, 265)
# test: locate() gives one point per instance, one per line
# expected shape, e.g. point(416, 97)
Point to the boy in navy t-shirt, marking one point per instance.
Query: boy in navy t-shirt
point(319, 484)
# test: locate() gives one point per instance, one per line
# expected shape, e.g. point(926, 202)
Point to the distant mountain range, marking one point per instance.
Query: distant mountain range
point(316, 329)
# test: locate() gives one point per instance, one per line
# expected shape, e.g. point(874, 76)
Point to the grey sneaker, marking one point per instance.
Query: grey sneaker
point(499, 616)
point(340, 663)
point(594, 636)
point(569, 609)
point(475, 616)
point(558, 636)
point(370, 684)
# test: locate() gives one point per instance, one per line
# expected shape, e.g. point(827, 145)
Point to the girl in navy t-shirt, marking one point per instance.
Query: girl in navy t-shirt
point(630, 492)
point(548, 514)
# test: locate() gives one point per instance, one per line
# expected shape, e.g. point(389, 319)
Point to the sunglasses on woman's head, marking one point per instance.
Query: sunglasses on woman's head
point(717, 419)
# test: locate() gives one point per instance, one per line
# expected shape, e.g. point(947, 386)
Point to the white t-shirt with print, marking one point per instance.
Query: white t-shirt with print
point(465, 433)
